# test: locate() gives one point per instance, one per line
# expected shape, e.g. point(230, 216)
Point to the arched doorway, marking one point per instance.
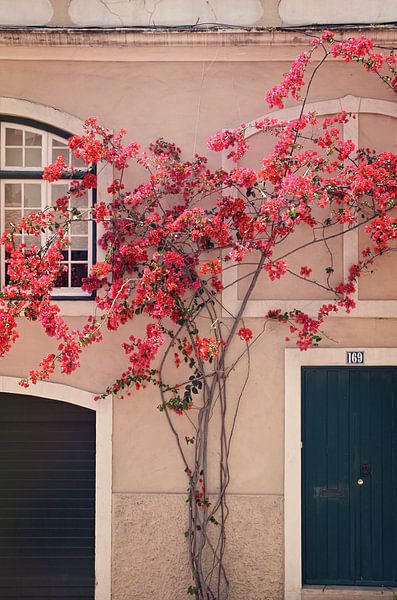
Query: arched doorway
point(55, 492)
point(47, 499)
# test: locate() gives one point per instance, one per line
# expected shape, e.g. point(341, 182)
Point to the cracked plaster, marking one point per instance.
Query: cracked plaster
point(330, 12)
point(116, 13)
point(25, 12)
point(147, 13)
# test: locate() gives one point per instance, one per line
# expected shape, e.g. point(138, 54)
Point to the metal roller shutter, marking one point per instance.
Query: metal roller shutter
point(47, 499)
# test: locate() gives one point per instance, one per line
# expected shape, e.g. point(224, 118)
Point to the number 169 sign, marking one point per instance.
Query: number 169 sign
point(355, 357)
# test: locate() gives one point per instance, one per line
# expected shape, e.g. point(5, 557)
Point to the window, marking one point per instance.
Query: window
point(368, 303)
point(26, 148)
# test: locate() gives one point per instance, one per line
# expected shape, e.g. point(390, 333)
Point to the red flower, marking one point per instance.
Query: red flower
point(305, 271)
point(245, 334)
point(54, 172)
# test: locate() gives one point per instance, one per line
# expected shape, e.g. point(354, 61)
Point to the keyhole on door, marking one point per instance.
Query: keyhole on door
point(365, 470)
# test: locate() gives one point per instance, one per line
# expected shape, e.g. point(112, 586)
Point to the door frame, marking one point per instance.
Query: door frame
point(294, 360)
point(103, 465)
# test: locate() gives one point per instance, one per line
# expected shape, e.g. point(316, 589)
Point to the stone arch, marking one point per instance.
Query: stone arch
point(40, 112)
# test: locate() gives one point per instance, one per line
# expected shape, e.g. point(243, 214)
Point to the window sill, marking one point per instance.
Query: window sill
point(76, 307)
point(336, 592)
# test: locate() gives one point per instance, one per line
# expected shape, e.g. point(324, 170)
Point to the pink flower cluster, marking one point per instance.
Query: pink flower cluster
point(164, 239)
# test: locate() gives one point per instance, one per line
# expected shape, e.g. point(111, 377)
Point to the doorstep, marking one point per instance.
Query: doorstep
point(337, 592)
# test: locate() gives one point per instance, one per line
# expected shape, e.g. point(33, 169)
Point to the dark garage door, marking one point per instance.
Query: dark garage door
point(47, 499)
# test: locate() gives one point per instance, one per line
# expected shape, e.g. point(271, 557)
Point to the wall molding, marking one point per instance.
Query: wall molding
point(40, 112)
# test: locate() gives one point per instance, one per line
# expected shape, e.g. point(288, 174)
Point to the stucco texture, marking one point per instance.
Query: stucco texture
point(24, 12)
point(182, 101)
point(149, 551)
point(146, 13)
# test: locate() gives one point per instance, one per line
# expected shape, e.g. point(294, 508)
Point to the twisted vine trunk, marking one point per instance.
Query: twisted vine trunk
point(208, 509)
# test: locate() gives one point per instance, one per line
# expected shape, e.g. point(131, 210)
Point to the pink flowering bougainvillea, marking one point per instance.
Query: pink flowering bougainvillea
point(166, 244)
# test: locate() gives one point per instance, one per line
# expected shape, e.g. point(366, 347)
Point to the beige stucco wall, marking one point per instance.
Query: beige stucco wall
point(254, 556)
point(185, 100)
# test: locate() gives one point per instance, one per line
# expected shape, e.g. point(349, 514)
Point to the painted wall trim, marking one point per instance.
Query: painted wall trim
point(294, 360)
point(103, 495)
point(364, 308)
point(40, 112)
point(175, 36)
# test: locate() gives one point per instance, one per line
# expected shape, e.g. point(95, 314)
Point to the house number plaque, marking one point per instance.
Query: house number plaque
point(355, 358)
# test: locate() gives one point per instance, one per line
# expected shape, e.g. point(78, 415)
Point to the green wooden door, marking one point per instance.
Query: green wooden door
point(349, 476)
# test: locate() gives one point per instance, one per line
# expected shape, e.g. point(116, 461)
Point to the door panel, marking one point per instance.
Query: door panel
point(349, 426)
point(47, 499)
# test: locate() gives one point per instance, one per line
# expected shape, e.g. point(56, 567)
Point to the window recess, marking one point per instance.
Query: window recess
point(26, 148)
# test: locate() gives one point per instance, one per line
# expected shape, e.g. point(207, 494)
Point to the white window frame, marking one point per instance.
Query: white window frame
point(364, 308)
point(20, 127)
point(72, 291)
point(47, 147)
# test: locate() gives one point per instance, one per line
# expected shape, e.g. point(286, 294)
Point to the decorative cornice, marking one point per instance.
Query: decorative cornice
point(178, 37)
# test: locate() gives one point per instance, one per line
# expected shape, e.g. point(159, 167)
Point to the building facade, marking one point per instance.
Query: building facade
point(181, 71)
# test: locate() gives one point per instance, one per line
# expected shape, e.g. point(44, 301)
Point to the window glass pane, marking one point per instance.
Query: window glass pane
point(80, 227)
point(57, 191)
point(13, 157)
point(32, 195)
point(78, 162)
point(59, 144)
point(78, 272)
point(33, 157)
point(61, 148)
point(12, 216)
point(80, 243)
point(30, 240)
point(79, 202)
point(62, 280)
point(32, 138)
point(59, 151)
point(13, 137)
point(13, 194)
point(59, 217)
point(29, 211)
point(81, 255)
